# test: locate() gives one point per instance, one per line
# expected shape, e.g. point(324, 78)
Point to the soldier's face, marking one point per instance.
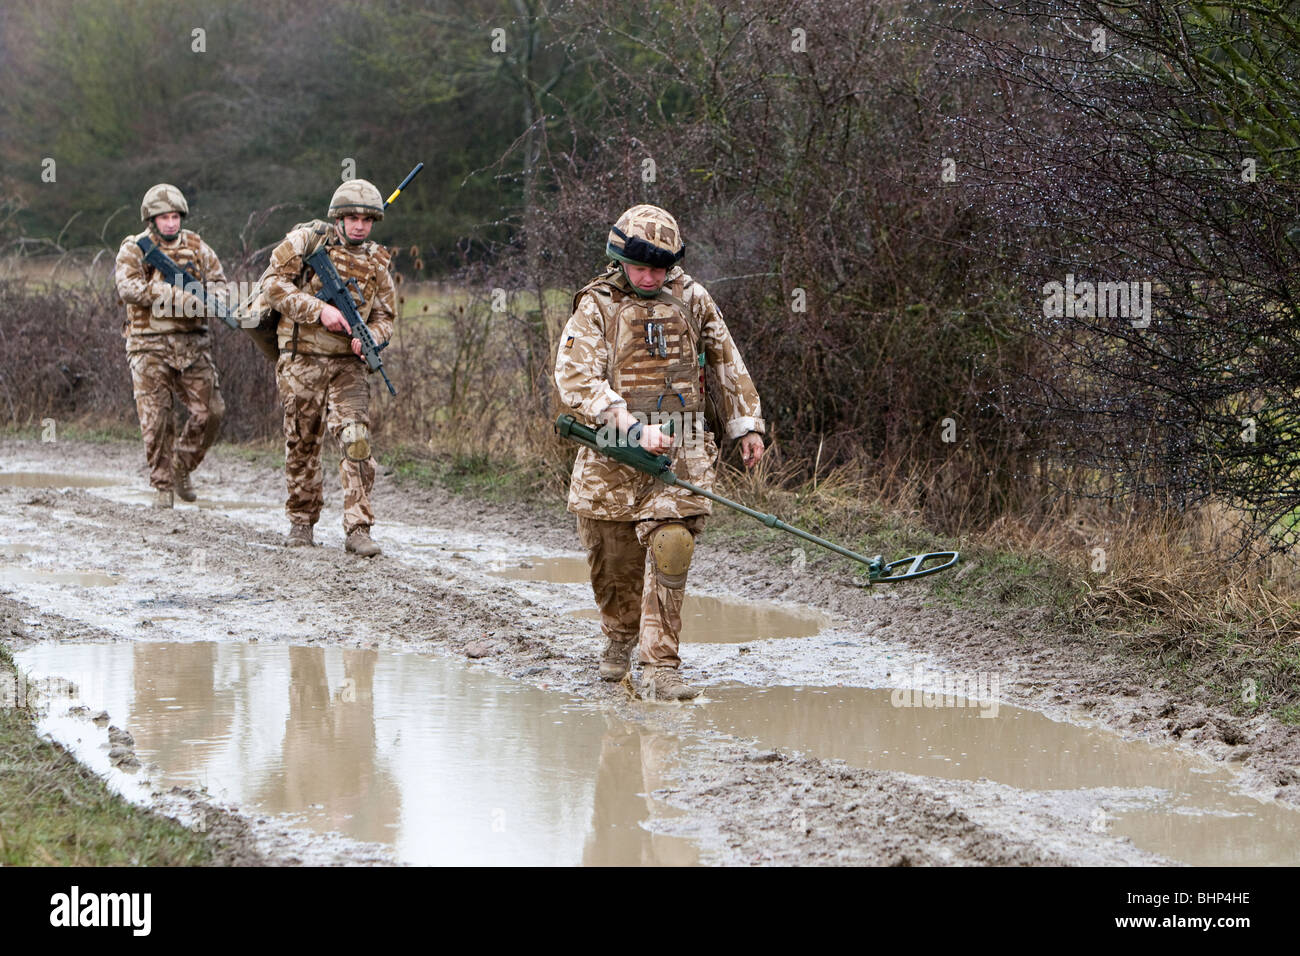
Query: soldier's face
point(168, 223)
point(357, 228)
point(648, 278)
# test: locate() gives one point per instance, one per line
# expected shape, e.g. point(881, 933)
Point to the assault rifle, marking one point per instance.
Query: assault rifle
point(183, 280)
point(335, 291)
point(660, 466)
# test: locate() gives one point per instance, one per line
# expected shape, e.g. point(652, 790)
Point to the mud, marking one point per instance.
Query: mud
point(222, 574)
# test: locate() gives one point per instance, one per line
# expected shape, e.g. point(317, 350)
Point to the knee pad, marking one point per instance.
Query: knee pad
point(671, 547)
point(355, 439)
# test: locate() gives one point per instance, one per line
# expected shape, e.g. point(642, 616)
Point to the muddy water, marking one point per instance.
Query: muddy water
point(1175, 805)
point(81, 579)
point(445, 763)
point(562, 570)
point(704, 619)
point(49, 479)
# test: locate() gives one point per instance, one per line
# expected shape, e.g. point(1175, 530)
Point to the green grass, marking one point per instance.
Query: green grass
point(71, 431)
point(54, 811)
point(268, 454)
point(1289, 714)
point(475, 475)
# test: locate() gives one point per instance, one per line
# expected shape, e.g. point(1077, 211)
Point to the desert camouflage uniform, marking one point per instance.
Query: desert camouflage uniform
point(322, 383)
point(604, 360)
point(170, 354)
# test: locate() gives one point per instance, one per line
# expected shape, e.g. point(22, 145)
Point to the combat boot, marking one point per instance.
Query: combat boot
point(617, 659)
point(181, 482)
point(162, 498)
point(299, 535)
point(664, 683)
point(359, 543)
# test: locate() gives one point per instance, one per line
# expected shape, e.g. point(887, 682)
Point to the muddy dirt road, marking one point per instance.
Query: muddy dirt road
point(449, 644)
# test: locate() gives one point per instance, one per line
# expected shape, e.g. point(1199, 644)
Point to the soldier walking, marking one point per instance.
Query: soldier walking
point(167, 344)
point(320, 373)
point(636, 348)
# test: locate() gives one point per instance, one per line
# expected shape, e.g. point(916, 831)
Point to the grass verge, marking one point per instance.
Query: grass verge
point(55, 812)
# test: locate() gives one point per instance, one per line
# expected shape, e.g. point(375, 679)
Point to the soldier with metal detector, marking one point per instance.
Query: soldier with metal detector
point(632, 361)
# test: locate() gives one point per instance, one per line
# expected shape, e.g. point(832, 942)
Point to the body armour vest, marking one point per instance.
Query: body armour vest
point(140, 320)
point(653, 345)
point(363, 264)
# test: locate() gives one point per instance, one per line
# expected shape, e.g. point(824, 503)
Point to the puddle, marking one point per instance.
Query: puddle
point(705, 620)
point(555, 570)
point(1199, 819)
point(447, 764)
point(50, 479)
point(710, 620)
point(13, 550)
point(84, 579)
point(203, 504)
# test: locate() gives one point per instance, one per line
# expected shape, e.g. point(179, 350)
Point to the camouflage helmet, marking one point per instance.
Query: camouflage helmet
point(357, 197)
point(646, 236)
point(163, 198)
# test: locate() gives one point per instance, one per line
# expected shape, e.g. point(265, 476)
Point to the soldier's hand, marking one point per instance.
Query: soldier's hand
point(356, 347)
point(333, 320)
point(654, 440)
point(751, 449)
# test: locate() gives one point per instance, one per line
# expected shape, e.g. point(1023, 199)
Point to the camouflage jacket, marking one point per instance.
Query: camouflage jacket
point(291, 290)
point(609, 347)
point(144, 291)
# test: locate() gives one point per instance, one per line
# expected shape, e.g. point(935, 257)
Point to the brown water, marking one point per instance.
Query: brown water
point(49, 479)
point(555, 570)
point(1200, 820)
point(445, 763)
point(710, 620)
point(82, 579)
point(705, 619)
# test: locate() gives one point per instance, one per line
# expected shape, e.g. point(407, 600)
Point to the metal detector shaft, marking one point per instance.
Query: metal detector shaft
point(660, 466)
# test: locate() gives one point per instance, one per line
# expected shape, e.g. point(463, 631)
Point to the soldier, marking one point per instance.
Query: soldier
point(636, 347)
point(320, 372)
point(167, 344)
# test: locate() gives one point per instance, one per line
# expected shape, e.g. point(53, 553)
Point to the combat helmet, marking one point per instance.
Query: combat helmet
point(646, 235)
point(357, 197)
point(163, 198)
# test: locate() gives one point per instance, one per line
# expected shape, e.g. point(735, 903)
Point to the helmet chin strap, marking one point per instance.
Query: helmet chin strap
point(164, 236)
point(343, 234)
point(636, 288)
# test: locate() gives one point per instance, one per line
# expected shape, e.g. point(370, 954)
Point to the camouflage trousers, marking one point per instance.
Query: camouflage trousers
point(319, 392)
point(187, 372)
point(634, 604)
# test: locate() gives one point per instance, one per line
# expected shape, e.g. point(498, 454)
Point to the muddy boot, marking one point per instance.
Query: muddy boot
point(299, 536)
point(616, 660)
point(162, 498)
point(359, 543)
point(181, 482)
point(664, 683)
